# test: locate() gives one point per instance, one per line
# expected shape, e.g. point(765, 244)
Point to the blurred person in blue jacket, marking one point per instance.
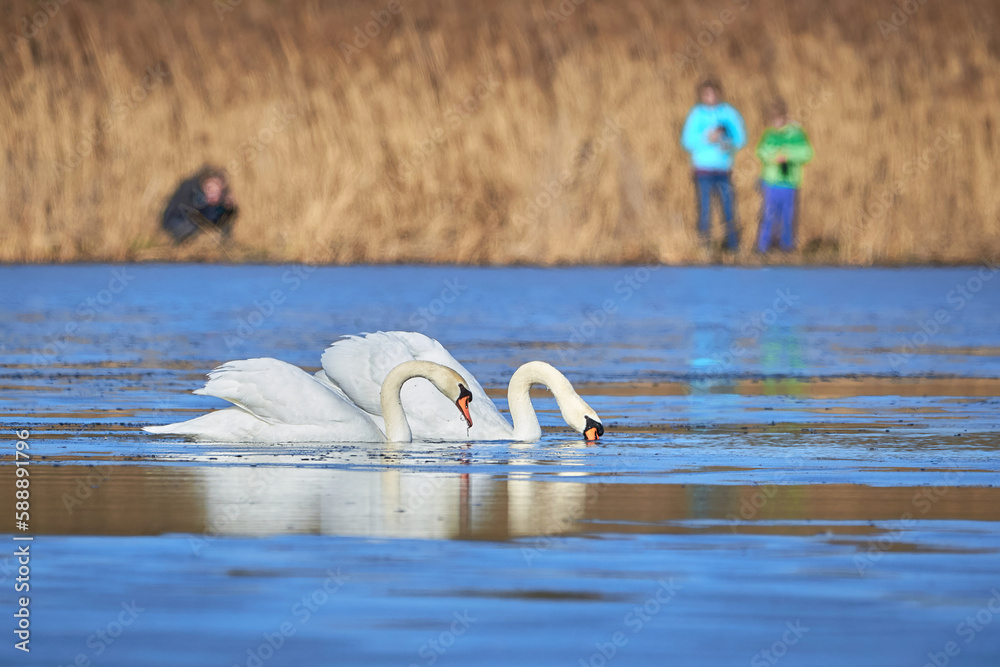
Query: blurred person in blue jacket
point(713, 133)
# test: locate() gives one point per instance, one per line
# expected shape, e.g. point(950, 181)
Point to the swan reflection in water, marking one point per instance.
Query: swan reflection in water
point(259, 501)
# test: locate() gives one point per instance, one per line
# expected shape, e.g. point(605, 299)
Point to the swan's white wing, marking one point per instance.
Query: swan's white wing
point(278, 392)
point(284, 402)
point(359, 364)
point(228, 425)
point(325, 380)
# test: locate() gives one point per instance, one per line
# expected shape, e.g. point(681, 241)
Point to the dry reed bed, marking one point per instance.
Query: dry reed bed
point(516, 132)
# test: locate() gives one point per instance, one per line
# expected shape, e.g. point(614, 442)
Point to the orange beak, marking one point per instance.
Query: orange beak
point(464, 398)
point(593, 430)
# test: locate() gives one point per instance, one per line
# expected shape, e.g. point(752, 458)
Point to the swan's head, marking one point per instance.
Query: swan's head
point(593, 429)
point(575, 412)
point(581, 417)
point(463, 400)
point(451, 384)
point(446, 380)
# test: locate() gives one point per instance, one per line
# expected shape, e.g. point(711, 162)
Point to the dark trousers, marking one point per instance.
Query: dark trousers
point(716, 182)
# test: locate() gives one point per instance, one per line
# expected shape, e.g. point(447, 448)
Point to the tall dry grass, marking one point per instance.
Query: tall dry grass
point(490, 132)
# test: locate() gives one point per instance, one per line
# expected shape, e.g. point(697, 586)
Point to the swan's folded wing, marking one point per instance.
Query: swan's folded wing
point(278, 393)
point(359, 364)
point(426, 348)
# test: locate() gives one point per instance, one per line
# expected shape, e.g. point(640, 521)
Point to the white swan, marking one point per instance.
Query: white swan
point(356, 365)
point(277, 402)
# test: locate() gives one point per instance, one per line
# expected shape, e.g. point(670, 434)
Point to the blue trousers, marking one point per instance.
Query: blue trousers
point(779, 214)
point(717, 182)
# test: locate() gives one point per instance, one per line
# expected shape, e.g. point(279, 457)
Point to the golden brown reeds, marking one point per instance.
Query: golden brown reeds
point(530, 131)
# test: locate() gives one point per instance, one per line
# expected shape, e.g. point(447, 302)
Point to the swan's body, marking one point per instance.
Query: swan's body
point(277, 402)
point(357, 365)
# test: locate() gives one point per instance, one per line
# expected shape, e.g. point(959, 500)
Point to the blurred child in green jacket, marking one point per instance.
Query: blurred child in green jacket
point(782, 150)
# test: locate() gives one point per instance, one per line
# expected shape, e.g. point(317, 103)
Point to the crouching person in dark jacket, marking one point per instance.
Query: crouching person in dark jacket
point(201, 203)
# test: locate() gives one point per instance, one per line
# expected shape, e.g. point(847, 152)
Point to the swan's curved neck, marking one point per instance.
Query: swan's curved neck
point(397, 429)
point(522, 413)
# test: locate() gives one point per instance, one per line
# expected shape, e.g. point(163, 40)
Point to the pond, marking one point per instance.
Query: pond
point(800, 465)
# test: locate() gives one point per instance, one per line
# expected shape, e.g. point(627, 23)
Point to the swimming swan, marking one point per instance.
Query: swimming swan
point(277, 402)
point(356, 365)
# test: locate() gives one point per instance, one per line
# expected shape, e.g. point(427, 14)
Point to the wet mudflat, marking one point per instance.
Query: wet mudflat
point(800, 467)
